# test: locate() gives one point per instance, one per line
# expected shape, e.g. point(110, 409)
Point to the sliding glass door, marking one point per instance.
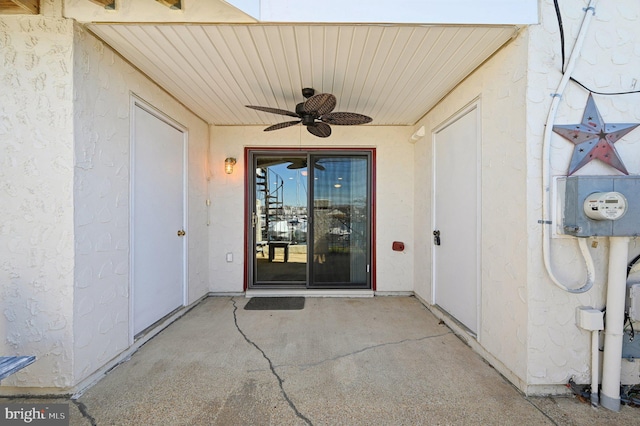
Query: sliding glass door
point(340, 221)
point(310, 224)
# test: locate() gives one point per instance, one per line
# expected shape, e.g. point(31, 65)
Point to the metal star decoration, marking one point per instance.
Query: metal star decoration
point(594, 139)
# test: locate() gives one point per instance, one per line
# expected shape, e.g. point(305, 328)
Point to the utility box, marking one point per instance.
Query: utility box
point(633, 301)
point(599, 206)
point(589, 319)
point(630, 346)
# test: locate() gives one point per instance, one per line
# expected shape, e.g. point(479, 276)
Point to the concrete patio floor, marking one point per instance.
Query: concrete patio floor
point(339, 361)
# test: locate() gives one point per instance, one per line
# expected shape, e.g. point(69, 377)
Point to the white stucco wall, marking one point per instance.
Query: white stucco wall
point(394, 186)
point(36, 198)
point(500, 85)
point(609, 62)
point(64, 199)
point(103, 86)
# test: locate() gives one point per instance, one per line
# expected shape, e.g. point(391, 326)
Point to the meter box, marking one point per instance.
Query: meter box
point(633, 301)
point(599, 206)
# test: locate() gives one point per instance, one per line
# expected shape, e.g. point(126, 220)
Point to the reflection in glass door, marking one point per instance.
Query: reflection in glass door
point(280, 220)
point(310, 226)
point(340, 222)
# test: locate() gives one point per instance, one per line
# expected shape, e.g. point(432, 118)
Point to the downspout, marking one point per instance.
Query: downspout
point(614, 328)
point(546, 166)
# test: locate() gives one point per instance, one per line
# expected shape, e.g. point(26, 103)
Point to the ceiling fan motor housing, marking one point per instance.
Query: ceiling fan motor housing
point(308, 119)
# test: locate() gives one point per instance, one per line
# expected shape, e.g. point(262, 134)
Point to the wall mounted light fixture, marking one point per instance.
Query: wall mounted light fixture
point(228, 165)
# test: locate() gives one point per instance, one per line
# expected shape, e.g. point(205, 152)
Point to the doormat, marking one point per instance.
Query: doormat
point(275, 304)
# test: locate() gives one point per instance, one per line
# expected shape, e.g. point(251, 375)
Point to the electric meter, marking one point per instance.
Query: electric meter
point(605, 206)
point(599, 206)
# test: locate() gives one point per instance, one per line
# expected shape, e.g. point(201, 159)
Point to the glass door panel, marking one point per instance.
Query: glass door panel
point(280, 220)
point(340, 221)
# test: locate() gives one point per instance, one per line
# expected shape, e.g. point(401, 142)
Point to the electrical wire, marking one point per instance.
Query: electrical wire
point(630, 395)
point(632, 331)
point(632, 264)
point(603, 93)
point(562, 50)
point(561, 28)
point(627, 318)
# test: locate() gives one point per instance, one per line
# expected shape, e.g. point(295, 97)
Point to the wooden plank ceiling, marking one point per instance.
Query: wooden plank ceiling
point(14, 7)
point(394, 74)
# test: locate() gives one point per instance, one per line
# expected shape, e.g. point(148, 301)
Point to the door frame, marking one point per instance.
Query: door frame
point(249, 195)
point(138, 102)
point(475, 104)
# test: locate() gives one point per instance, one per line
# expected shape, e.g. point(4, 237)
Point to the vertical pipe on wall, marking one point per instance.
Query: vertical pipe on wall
point(595, 367)
point(614, 328)
point(546, 165)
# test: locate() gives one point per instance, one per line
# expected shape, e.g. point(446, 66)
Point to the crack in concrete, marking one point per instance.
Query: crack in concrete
point(366, 348)
point(85, 412)
point(271, 366)
point(536, 406)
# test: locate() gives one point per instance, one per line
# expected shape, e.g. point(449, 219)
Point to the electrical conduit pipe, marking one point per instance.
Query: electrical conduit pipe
point(595, 367)
point(546, 160)
point(614, 327)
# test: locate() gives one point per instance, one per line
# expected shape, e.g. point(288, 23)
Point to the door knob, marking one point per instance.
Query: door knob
point(181, 233)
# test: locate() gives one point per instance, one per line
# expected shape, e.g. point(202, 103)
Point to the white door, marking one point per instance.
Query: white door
point(158, 251)
point(456, 216)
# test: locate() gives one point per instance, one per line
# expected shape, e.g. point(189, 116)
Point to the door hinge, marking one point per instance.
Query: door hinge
point(254, 219)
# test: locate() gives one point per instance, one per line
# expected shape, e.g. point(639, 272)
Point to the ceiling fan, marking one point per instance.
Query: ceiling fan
point(315, 113)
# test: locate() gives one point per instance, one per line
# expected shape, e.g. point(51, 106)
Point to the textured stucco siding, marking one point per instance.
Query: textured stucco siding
point(500, 86)
point(36, 198)
point(394, 198)
point(609, 62)
point(65, 170)
point(103, 86)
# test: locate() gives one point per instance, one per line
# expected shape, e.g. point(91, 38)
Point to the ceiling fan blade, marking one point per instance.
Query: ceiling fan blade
point(301, 164)
point(282, 125)
point(273, 110)
point(345, 118)
point(320, 104)
point(320, 130)
point(297, 165)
